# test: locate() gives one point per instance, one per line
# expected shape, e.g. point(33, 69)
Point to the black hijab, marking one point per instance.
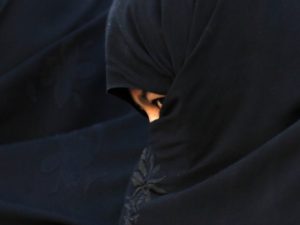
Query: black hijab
point(60, 162)
point(226, 148)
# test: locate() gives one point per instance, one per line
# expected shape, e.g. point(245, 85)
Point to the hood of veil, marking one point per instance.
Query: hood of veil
point(147, 47)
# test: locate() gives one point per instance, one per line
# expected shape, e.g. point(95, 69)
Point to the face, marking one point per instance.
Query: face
point(151, 103)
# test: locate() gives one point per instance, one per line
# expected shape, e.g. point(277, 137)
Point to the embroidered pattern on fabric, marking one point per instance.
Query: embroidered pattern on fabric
point(68, 166)
point(144, 186)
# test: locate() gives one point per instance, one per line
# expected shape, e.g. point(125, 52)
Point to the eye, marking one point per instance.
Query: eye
point(158, 102)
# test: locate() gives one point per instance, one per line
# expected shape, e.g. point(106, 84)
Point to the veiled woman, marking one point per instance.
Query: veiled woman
point(224, 78)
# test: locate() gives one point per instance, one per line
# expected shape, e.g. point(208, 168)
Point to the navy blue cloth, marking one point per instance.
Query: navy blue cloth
point(67, 149)
point(76, 178)
point(226, 148)
point(52, 68)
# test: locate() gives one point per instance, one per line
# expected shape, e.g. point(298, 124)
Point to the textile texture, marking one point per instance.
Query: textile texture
point(67, 149)
point(227, 141)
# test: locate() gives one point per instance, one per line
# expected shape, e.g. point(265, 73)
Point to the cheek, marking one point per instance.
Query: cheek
point(152, 113)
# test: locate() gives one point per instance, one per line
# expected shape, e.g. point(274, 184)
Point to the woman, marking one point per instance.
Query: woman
point(225, 150)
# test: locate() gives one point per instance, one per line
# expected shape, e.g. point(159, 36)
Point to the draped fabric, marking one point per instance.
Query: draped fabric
point(67, 149)
point(51, 70)
point(76, 178)
point(226, 147)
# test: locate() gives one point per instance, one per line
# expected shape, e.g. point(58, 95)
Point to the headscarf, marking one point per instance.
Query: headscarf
point(226, 147)
point(60, 163)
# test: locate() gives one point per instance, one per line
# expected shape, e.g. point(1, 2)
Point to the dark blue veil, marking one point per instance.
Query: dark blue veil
point(67, 149)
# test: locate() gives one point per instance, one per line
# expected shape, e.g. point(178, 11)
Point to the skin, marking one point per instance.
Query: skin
point(150, 102)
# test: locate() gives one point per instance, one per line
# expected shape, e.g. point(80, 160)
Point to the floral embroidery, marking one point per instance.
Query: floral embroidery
point(68, 166)
point(144, 186)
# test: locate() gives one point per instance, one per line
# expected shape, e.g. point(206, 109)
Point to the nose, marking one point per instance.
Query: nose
point(152, 113)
